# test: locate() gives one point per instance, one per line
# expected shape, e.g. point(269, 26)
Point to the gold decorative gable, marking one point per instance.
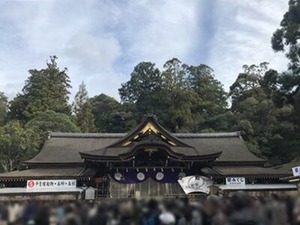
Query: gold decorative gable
point(150, 129)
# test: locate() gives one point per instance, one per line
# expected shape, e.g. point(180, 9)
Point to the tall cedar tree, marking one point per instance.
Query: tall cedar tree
point(82, 110)
point(45, 89)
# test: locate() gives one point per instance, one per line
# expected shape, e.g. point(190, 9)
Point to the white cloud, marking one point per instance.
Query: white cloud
point(55, 28)
point(89, 38)
point(243, 36)
point(169, 30)
point(101, 41)
point(93, 53)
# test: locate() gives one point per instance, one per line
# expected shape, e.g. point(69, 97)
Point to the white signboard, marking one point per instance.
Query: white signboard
point(236, 180)
point(296, 171)
point(50, 184)
point(195, 184)
point(90, 193)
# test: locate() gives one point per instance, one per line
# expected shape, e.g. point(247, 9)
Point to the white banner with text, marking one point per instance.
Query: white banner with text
point(50, 184)
point(236, 180)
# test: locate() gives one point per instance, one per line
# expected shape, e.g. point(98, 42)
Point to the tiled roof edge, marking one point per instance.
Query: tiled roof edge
point(86, 135)
point(119, 135)
point(223, 134)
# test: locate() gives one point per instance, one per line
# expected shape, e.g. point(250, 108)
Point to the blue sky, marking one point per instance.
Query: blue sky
point(100, 41)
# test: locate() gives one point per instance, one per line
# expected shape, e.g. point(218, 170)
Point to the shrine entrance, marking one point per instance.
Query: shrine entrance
point(147, 162)
point(147, 188)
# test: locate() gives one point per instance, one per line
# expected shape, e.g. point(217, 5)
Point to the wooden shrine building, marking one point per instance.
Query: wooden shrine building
point(148, 161)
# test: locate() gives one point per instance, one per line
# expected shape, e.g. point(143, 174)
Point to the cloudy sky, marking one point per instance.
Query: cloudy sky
point(100, 41)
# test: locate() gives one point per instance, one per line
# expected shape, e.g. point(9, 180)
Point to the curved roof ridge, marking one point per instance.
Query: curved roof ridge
point(214, 134)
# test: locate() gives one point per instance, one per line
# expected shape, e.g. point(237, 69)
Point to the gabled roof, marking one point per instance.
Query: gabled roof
point(149, 134)
point(149, 125)
point(64, 148)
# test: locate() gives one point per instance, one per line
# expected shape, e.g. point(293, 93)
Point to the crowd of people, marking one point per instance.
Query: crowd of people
point(239, 209)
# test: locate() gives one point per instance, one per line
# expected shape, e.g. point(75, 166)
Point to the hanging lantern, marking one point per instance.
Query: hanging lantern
point(159, 176)
point(140, 176)
point(118, 176)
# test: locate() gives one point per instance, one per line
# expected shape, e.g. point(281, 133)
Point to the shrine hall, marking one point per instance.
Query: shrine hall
point(149, 161)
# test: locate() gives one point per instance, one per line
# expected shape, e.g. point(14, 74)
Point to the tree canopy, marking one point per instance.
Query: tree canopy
point(16, 145)
point(45, 89)
point(50, 121)
point(286, 38)
point(181, 95)
point(112, 116)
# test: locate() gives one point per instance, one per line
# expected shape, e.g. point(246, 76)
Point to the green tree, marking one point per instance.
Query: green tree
point(143, 88)
point(286, 38)
point(145, 80)
point(16, 145)
point(123, 120)
point(182, 96)
point(223, 122)
point(3, 108)
point(248, 84)
point(45, 89)
point(266, 125)
point(192, 96)
point(297, 106)
point(176, 97)
point(50, 121)
point(111, 116)
point(82, 110)
point(103, 107)
point(210, 99)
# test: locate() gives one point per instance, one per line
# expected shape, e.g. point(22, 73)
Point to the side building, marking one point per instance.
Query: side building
point(146, 162)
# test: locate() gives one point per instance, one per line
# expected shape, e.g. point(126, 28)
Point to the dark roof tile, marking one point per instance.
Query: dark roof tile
point(65, 147)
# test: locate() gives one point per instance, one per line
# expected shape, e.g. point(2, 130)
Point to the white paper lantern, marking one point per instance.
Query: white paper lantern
point(118, 176)
point(140, 176)
point(159, 176)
